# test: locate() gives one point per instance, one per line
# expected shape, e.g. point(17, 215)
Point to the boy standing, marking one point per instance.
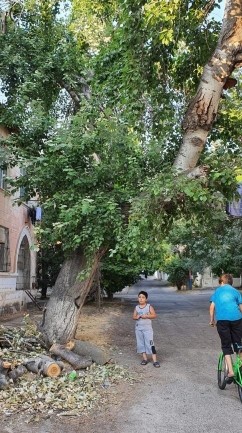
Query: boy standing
point(143, 314)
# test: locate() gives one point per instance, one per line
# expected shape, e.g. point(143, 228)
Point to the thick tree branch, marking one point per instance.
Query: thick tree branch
point(198, 172)
point(202, 111)
point(75, 96)
point(208, 8)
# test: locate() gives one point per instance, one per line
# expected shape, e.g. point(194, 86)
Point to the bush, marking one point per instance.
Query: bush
point(177, 272)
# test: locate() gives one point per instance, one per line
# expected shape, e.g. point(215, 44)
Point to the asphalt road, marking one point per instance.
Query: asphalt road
point(181, 396)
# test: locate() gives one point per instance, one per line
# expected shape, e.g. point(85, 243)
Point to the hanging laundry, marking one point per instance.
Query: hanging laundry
point(38, 213)
point(235, 208)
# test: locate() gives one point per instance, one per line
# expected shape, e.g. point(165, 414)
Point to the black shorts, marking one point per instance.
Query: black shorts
point(230, 333)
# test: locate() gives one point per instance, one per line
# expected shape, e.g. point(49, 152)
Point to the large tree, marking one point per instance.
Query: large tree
point(97, 115)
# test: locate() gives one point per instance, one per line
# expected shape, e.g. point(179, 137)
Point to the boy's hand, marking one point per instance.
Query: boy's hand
point(212, 323)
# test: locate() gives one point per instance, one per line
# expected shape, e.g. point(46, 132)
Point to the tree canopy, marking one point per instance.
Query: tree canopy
point(95, 92)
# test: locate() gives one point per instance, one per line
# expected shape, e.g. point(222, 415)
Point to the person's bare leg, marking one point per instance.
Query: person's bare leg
point(228, 360)
point(154, 357)
point(144, 356)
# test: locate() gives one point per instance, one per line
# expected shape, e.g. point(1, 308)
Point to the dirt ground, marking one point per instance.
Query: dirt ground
point(181, 396)
point(111, 328)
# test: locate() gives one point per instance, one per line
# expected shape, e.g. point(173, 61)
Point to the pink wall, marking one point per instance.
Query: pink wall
point(15, 218)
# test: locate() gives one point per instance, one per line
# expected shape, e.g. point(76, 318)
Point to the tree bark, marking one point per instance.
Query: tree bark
point(77, 362)
point(84, 348)
point(69, 293)
point(4, 368)
point(203, 108)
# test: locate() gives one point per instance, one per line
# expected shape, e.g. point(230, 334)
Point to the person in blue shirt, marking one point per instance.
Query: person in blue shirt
point(226, 307)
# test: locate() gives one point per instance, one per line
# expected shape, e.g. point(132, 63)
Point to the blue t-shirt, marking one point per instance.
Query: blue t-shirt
point(227, 299)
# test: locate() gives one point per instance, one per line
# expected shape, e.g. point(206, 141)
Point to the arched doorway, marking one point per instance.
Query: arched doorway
point(23, 266)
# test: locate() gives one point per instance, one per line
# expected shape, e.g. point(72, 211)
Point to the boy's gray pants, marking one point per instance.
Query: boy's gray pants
point(144, 338)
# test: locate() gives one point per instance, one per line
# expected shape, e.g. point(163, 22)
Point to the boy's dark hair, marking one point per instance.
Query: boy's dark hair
point(142, 292)
point(226, 279)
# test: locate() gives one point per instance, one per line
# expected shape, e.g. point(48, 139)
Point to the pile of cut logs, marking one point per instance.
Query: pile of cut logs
point(14, 346)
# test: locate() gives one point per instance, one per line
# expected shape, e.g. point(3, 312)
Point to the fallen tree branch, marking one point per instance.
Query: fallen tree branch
point(72, 358)
point(84, 348)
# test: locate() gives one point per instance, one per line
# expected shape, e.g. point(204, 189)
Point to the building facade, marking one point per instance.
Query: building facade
point(17, 252)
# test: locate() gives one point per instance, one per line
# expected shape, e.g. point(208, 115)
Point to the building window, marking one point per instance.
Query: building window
point(3, 174)
point(4, 250)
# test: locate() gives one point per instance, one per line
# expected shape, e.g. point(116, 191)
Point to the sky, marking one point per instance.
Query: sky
point(218, 13)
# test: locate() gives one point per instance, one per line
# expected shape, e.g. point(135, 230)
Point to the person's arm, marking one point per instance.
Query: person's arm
point(240, 301)
point(136, 315)
point(151, 315)
point(211, 312)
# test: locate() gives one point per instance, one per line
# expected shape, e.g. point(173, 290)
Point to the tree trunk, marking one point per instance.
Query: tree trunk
point(203, 108)
point(68, 296)
point(110, 296)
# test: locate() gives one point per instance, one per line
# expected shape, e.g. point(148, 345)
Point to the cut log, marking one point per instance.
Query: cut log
point(33, 365)
point(3, 381)
point(43, 365)
point(78, 362)
point(51, 369)
point(4, 367)
point(85, 348)
point(6, 364)
point(17, 372)
point(57, 361)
